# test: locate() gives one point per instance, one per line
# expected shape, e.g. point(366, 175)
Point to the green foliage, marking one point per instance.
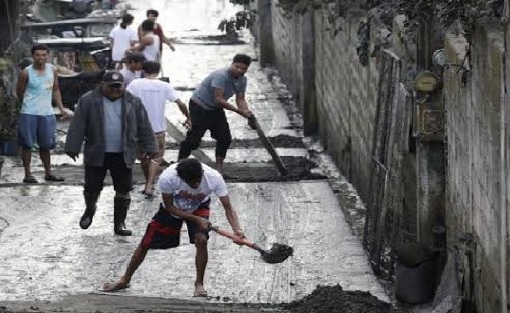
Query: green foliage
point(447, 12)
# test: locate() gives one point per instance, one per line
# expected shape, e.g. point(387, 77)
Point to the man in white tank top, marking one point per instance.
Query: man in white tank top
point(149, 42)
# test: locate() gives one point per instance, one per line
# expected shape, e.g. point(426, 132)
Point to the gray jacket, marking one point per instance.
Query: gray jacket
point(87, 125)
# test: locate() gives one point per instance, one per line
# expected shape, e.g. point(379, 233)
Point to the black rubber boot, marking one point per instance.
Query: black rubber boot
point(120, 208)
point(90, 208)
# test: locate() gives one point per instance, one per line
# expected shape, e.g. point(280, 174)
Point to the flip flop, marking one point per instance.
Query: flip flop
point(52, 177)
point(115, 286)
point(30, 180)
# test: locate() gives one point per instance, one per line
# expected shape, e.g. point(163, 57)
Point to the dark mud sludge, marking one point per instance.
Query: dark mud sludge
point(298, 168)
point(333, 299)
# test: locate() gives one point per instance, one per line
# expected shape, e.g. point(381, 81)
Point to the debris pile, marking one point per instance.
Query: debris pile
point(333, 299)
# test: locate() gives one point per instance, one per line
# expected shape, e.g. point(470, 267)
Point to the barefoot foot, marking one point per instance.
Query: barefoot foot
point(200, 291)
point(115, 286)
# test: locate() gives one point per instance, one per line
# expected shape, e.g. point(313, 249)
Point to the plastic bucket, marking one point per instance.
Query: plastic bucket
point(415, 285)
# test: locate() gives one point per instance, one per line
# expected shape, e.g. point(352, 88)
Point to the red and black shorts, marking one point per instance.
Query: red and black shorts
point(164, 231)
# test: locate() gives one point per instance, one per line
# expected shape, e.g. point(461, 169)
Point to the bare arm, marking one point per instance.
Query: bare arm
point(168, 200)
point(21, 86)
point(241, 101)
point(145, 41)
point(166, 39)
point(184, 109)
point(56, 93)
point(220, 100)
point(231, 215)
point(140, 32)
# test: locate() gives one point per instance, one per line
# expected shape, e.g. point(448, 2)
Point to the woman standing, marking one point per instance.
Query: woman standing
point(123, 38)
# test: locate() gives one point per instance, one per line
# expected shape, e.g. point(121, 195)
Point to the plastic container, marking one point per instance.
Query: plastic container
point(415, 285)
point(415, 276)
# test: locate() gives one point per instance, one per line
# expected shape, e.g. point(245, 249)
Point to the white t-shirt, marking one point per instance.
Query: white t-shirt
point(129, 76)
point(154, 93)
point(189, 199)
point(151, 52)
point(122, 38)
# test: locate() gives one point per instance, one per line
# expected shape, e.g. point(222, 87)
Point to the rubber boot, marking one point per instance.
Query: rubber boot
point(90, 208)
point(120, 208)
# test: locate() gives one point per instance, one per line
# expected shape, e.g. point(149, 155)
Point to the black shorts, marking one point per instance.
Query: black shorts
point(164, 231)
point(122, 176)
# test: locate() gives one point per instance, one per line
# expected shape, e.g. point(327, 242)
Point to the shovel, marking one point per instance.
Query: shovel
point(268, 145)
point(277, 254)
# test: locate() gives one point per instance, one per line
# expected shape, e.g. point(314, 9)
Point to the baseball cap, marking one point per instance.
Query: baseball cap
point(112, 78)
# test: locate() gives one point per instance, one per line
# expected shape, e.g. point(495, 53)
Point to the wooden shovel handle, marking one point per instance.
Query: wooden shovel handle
point(236, 239)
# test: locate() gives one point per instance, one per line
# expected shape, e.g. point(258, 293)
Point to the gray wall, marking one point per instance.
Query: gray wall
point(472, 96)
point(343, 110)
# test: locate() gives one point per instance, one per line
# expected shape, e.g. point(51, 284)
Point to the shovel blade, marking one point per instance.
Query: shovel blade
point(277, 254)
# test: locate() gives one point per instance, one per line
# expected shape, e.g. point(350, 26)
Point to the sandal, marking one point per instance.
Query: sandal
point(30, 180)
point(52, 177)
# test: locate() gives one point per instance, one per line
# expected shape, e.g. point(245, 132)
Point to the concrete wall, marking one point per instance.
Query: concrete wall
point(344, 109)
point(472, 95)
point(346, 97)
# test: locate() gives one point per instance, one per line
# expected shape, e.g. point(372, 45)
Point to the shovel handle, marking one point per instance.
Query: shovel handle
point(236, 239)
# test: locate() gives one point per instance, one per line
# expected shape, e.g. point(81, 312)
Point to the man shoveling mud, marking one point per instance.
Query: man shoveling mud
point(208, 104)
point(186, 188)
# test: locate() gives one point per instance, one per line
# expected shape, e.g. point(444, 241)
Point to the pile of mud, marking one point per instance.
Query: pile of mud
point(333, 299)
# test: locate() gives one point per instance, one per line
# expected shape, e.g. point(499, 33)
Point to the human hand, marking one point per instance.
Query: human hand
point(149, 155)
point(204, 224)
point(66, 113)
point(187, 123)
point(240, 235)
point(73, 155)
point(246, 113)
point(252, 122)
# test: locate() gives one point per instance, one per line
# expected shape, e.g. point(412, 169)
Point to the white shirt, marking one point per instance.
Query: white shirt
point(129, 76)
point(154, 93)
point(151, 52)
point(189, 199)
point(122, 38)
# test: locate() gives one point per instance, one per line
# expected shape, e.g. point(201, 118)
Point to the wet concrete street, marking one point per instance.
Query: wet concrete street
point(47, 262)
